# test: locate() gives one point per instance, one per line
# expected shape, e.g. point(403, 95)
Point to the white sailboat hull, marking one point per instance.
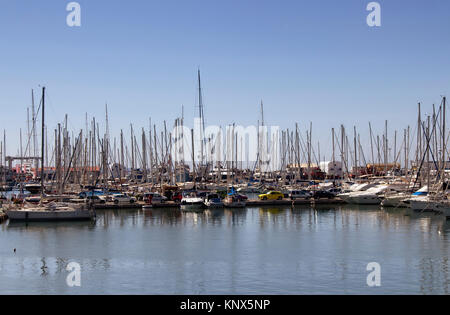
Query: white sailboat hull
point(423, 205)
point(364, 199)
point(395, 201)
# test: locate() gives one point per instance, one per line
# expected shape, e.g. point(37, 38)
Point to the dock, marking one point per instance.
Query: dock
point(113, 206)
point(250, 203)
point(136, 205)
point(288, 202)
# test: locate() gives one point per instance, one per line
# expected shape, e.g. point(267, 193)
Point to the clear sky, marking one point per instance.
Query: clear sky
point(307, 60)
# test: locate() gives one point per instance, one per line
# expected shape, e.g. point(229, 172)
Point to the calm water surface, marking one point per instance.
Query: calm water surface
point(272, 250)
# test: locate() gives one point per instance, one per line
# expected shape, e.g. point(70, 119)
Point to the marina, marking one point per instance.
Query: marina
point(81, 173)
point(224, 148)
point(257, 219)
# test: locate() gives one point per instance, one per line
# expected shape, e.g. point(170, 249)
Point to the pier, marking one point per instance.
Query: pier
point(249, 203)
point(287, 202)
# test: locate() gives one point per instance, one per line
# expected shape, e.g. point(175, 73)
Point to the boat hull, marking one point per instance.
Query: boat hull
point(214, 205)
point(394, 201)
point(45, 215)
point(364, 200)
point(424, 205)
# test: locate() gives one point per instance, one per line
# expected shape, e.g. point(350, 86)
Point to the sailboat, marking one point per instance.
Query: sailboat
point(396, 200)
point(52, 211)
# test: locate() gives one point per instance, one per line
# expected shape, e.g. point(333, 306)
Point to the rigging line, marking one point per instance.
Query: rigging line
point(428, 148)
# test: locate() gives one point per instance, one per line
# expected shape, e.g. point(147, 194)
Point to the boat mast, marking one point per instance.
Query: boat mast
point(355, 153)
point(444, 145)
point(42, 142)
point(202, 118)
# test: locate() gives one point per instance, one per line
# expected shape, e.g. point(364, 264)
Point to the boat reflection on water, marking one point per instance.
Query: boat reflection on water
point(163, 216)
point(444, 229)
point(215, 212)
point(42, 225)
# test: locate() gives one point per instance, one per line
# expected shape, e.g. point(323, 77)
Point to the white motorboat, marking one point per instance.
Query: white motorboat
point(213, 201)
point(371, 196)
point(249, 189)
point(192, 203)
point(354, 188)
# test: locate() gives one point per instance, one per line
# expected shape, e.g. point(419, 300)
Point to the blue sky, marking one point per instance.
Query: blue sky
point(308, 60)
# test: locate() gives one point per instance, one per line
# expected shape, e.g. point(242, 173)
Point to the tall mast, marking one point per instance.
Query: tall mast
point(21, 155)
point(33, 127)
point(262, 113)
point(144, 156)
point(132, 151)
point(444, 146)
point(42, 142)
point(371, 142)
point(121, 156)
point(386, 148)
point(202, 118)
point(27, 153)
point(405, 141)
point(193, 157)
point(355, 153)
point(332, 138)
point(419, 137)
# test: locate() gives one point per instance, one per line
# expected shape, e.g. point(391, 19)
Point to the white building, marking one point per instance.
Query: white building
point(332, 169)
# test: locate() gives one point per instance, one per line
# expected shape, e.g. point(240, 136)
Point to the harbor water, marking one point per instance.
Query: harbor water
point(267, 250)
